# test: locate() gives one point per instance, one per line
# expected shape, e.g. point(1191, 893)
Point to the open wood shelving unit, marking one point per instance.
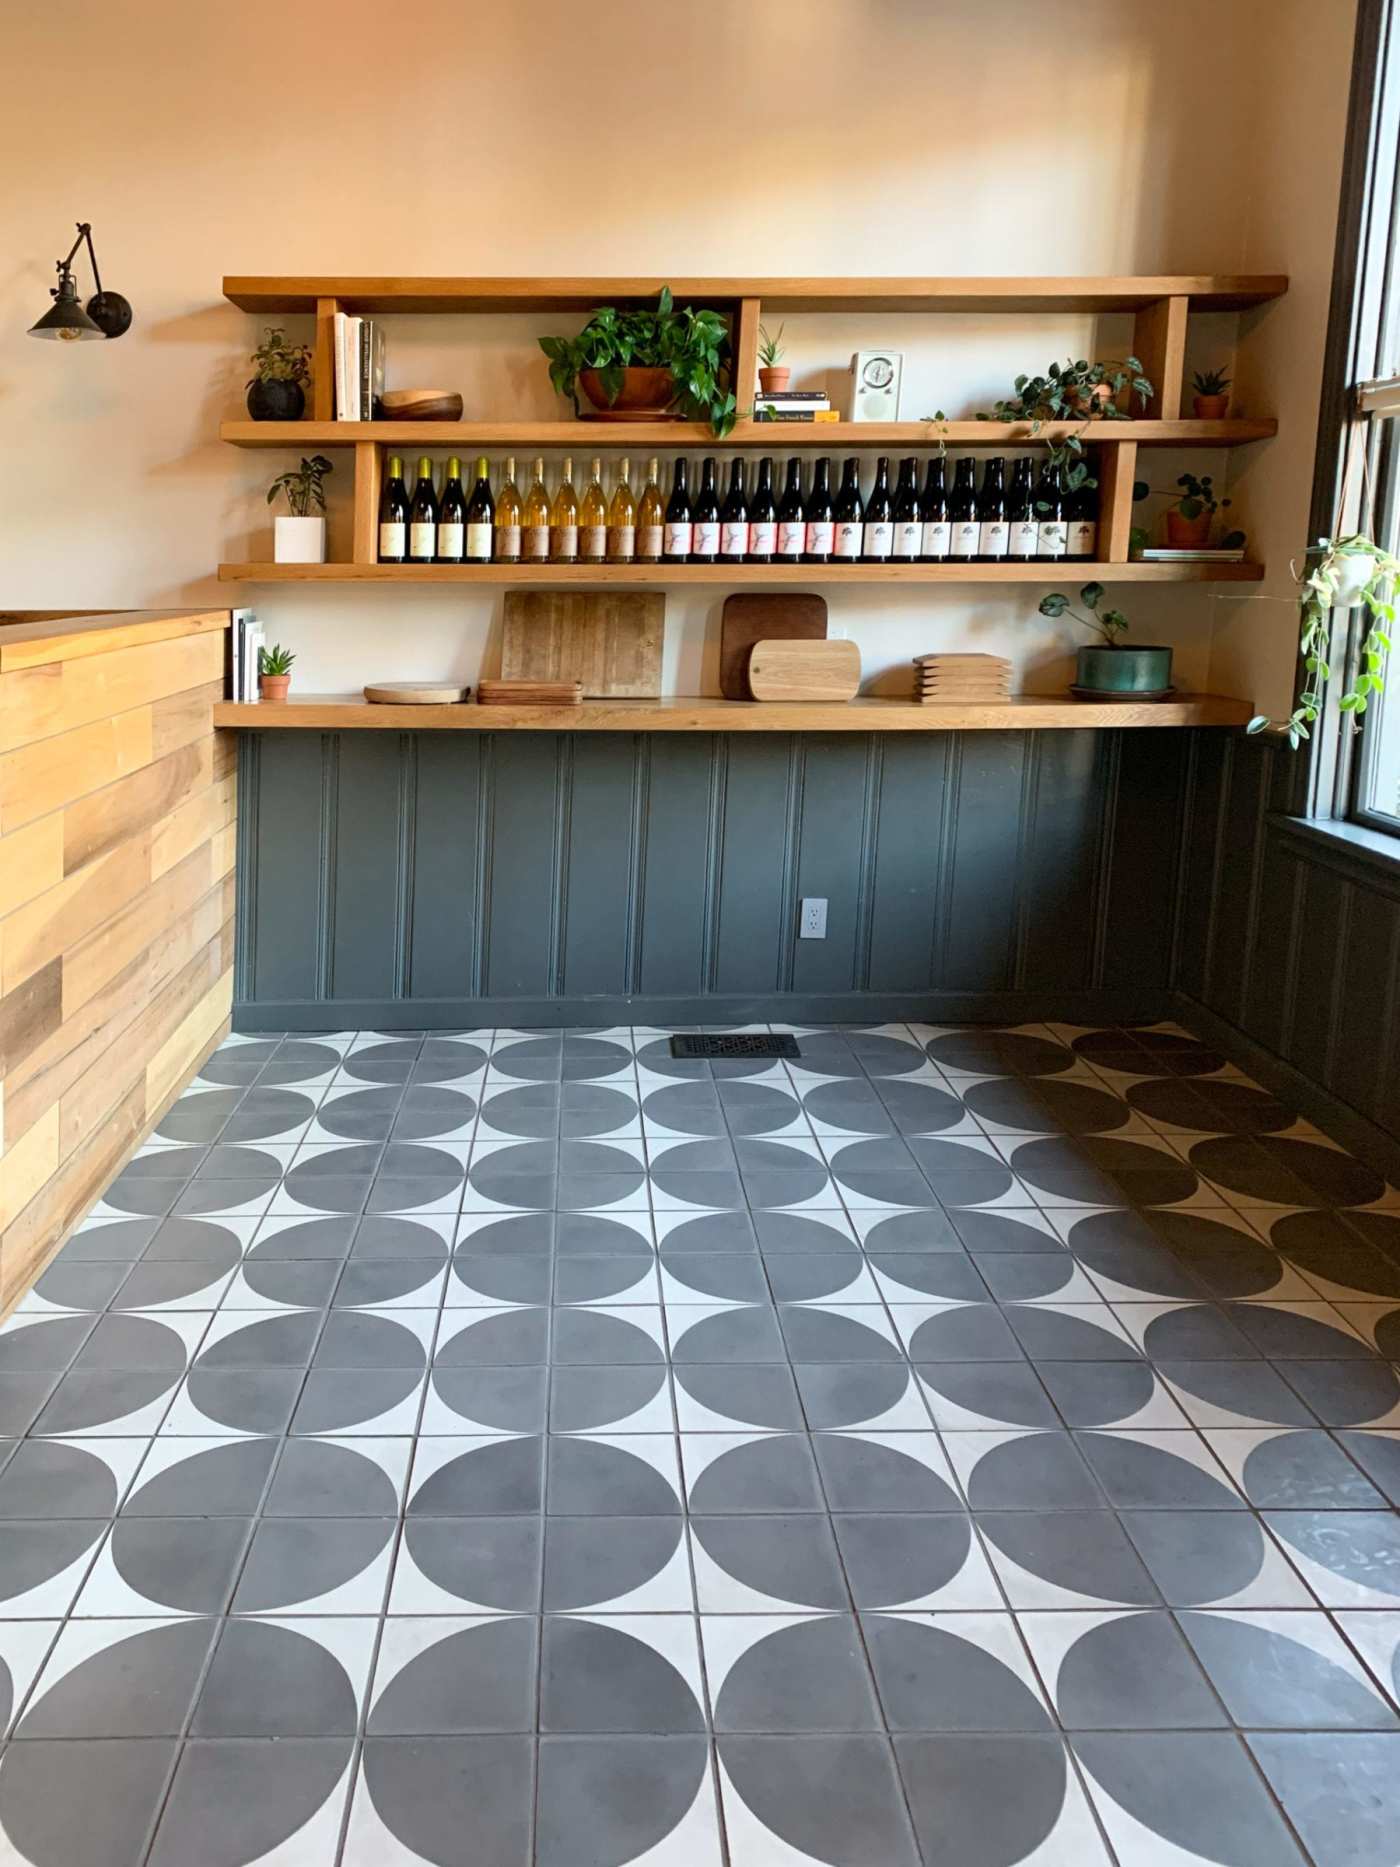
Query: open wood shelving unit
point(1161, 306)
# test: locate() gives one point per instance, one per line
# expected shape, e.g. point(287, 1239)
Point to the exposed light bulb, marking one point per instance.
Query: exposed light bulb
point(68, 337)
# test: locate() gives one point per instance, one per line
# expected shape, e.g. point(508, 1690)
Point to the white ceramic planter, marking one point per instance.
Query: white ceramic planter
point(299, 541)
point(1353, 575)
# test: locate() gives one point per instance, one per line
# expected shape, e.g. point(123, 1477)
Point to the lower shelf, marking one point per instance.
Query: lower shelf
point(740, 576)
point(337, 713)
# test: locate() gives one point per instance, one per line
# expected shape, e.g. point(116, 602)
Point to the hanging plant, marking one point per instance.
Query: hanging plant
point(1349, 571)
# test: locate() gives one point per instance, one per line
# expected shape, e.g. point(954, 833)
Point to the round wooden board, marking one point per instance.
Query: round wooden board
point(416, 693)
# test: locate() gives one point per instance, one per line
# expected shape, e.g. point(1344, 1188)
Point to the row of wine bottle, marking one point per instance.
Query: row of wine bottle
point(1028, 519)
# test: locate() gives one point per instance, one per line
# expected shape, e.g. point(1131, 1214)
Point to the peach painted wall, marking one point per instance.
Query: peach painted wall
point(833, 136)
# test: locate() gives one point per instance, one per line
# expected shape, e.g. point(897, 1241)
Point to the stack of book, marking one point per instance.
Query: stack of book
point(946, 679)
point(1192, 554)
point(246, 637)
point(359, 367)
point(795, 405)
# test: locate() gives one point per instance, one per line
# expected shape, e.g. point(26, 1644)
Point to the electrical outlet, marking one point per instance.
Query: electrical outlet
point(812, 923)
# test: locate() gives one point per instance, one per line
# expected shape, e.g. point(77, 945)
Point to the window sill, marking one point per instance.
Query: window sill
point(1372, 849)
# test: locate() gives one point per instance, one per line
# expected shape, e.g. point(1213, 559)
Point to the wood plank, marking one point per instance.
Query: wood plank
point(284, 292)
point(1159, 344)
point(608, 641)
point(32, 645)
point(743, 338)
point(323, 361)
point(155, 915)
point(769, 437)
point(745, 577)
point(28, 1015)
point(25, 1165)
point(45, 776)
point(179, 719)
point(47, 927)
point(168, 1070)
point(31, 862)
point(202, 818)
point(336, 713)
point(36, 703)
point(369, 461)
point(105, 819)
point(1117, 471)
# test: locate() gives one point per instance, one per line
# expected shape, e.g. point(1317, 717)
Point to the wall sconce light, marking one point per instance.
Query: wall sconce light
point(108, 314)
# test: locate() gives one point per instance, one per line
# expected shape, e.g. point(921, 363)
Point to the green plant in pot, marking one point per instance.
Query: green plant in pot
point(277, 389)
point(300, 537)
point(1192, 512)
point(773, 374)
point(1210, 399)
point(644, 365)
point(1342, 573)
point(274, 672)
point(1076, 391)
point(1108, 670)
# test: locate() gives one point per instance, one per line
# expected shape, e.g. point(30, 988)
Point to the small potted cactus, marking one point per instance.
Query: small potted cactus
point(1210, 400)
point(773, 375)
point(274, 672)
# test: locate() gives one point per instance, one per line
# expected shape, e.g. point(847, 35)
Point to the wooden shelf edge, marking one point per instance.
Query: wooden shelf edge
point(751, 576)
point(775, 436)
point(335, 713)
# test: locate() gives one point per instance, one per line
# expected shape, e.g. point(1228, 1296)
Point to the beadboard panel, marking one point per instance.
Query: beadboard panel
point(435, 879)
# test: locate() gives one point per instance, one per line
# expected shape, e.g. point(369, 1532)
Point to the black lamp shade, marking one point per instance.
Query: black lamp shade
point(66, 321)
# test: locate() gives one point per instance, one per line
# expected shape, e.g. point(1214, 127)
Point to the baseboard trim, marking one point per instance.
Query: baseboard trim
point(1330, 1113)
point(438, 1014)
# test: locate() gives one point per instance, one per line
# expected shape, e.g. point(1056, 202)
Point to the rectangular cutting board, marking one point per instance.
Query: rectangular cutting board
point(610, 640)
point(749, 619)
point(804, 670)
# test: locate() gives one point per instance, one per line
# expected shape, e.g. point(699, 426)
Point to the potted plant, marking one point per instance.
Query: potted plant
point(1076, 391)
point(274, 672)
point(1346, 571)
point(1211, 398)
point(277, 390)
point(300, 538)
point(648, 365)
point(1191, 513)
point(773, 375)
point(1109, 671)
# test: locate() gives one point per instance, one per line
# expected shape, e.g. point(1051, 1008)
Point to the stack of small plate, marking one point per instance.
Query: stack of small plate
point(946, 679)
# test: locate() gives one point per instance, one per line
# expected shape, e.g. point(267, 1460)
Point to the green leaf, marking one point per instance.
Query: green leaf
point(1090, 593)
point(1054, 605)
point(1258, 723)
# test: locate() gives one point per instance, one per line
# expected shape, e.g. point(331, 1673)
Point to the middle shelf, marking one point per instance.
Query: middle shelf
point(744, 576)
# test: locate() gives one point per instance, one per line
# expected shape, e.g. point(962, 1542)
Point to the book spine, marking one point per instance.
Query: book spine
point(366, 361)
point(341, 321)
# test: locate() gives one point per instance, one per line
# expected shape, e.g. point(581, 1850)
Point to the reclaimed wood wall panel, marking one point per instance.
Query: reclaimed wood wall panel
point(118, 807)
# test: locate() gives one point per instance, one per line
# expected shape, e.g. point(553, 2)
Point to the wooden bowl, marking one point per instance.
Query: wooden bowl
point(421, 405)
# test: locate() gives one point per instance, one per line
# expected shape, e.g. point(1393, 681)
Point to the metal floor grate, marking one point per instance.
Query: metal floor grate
point(738, 1044)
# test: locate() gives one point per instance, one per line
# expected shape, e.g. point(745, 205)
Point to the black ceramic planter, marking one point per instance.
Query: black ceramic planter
point(276, 401)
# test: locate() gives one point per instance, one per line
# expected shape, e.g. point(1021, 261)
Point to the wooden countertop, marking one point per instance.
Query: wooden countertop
point(681, 714)
point(34, 643)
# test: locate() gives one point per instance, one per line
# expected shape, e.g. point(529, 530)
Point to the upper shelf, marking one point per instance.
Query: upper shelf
point(1206, 292)
point(776, 436)
point(743, 576)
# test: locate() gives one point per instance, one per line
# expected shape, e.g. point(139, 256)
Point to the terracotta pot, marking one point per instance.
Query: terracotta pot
point(273, 686)
point(774, 379)
point(645, 393)
point(1210, 407)
point(1183, 532)
point(1086, 401)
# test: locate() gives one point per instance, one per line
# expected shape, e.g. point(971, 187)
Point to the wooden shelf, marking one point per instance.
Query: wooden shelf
point(337, 712)
point(1205, 292)
point(582, 437)
point(743, 576)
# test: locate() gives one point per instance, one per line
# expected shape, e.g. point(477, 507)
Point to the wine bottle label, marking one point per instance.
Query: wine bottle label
point(534, 543)
point(763, 538)
point(992, 539)
point(622, 543)
point(734, 538)
point(651, 541)
point(879, 538)
point(563, 542)
point(449, 540)
point(1051, 540)
point(392, 538)
point(679, 536)
point(967, 538)
point(846, 539)
point(937, 538)
point(592, 543)
point(908, 536)
point(704, 541)
point(792, 536)
point(479, 543)
point(422, 542)
point(1025, 539)
point(1083, 538)
point(508, 543)
point(820, 537)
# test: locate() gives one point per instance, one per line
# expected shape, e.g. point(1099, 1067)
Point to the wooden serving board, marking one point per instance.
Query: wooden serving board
point(529, 693)
point(609, 640)
point(749, 619)
point(798, 670)
point(416, 693)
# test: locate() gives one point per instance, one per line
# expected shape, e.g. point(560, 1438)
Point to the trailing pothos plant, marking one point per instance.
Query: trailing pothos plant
point(1348, 571)
point(1074, 391)
point(1109, 623)
point(691, 344)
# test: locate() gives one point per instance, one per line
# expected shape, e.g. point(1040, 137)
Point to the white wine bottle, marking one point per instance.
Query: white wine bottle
point(422, 516)
point(481, 515)
point(622, 519)
point(508, 526)
point(651, 519)
point(393, 515)
point(593, 518)
point(452, 516)
point(563, 520)
point(534, 532)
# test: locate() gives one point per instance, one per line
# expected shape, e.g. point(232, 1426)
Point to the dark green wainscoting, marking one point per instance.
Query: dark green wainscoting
point(449, 879)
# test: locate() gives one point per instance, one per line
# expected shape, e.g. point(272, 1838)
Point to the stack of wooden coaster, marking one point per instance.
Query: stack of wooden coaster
point(529, 693)
point(946, 679)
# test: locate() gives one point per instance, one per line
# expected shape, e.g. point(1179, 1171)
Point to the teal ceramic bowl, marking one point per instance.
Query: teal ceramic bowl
point(1124, 670)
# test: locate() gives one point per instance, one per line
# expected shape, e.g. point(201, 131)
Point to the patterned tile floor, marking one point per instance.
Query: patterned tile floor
point(957, 1448)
